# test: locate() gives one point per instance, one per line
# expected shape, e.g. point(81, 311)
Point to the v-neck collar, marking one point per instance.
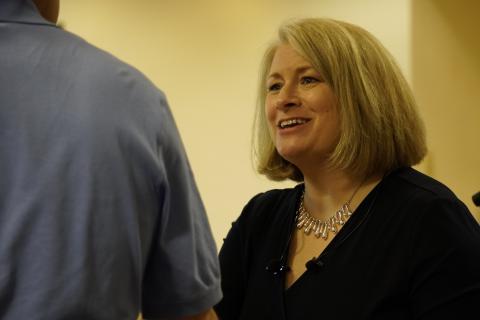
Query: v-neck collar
point(359, 216)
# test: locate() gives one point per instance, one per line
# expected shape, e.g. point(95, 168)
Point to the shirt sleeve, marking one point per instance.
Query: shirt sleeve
point(233, 275)
point(182, 275)
point(446, 263)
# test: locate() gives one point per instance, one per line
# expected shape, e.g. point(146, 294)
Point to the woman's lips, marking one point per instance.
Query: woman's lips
point(291, 122)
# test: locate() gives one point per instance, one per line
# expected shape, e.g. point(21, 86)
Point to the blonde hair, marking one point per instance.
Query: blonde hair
point(380, 126)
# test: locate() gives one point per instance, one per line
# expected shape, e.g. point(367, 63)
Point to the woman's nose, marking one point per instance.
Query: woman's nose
point(287, 98)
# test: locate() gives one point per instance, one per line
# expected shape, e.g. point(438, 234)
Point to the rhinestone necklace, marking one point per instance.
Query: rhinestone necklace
point(321, 228)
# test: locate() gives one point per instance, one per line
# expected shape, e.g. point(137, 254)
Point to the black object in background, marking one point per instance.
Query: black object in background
point(476, 199)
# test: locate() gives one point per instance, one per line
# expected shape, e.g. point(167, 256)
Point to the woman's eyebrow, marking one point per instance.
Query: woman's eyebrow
point(300, 69)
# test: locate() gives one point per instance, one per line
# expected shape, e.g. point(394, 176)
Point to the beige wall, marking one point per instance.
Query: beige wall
point(204, 55)
point(446, 81)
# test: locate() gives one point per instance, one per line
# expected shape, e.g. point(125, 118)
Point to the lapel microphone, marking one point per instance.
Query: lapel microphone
point(314, 264)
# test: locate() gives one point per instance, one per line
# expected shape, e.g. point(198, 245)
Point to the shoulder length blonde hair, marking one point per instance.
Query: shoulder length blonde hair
point(380, 126)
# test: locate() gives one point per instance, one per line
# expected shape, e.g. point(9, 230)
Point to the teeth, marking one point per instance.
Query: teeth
point(291, 122)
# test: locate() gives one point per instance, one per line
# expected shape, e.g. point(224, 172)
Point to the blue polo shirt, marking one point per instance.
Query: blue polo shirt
point(100, 217)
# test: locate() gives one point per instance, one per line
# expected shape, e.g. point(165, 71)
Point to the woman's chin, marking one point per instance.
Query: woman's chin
point(290, 155)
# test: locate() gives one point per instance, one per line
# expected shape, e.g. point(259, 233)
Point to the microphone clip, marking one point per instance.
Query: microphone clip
point(314, 264)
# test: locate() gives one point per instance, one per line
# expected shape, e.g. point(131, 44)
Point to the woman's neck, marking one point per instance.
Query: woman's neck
point(328, 190)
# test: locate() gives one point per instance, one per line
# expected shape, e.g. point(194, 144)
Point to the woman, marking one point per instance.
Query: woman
point(363, 235)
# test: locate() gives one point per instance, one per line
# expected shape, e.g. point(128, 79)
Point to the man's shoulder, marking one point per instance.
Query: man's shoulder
point(98, 67)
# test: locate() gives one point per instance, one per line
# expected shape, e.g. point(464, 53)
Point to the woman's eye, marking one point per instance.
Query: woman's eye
point(274, 87)
point(309, 80)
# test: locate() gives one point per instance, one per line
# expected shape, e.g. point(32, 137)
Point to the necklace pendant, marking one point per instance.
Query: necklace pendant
point(301, 221)
point(332, 224)
point(302, 215)
point(317, 230)
point(309, 226)
point(346, 210)
point(339, 217)
point(325, 231)
point(320, 229)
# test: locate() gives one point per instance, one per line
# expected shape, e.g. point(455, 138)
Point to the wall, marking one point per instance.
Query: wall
point(205, 55)
point(446, 81)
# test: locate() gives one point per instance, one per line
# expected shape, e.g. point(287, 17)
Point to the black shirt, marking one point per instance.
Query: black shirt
point(411, 250)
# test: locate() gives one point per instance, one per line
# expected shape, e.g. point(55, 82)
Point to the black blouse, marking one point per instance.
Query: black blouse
point(411, 250)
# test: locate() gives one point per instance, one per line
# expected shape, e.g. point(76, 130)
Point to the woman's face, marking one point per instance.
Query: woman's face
point(300, 109)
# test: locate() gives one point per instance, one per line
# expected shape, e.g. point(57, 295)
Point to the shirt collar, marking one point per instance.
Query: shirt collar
point(21, 11)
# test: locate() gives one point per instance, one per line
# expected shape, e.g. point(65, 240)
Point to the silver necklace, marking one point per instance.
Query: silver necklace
point(321, 228)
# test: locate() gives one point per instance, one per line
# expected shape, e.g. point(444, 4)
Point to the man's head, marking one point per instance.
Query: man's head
point(49, 9)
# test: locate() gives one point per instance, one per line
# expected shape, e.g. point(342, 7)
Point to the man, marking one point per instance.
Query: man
point(100, 217)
